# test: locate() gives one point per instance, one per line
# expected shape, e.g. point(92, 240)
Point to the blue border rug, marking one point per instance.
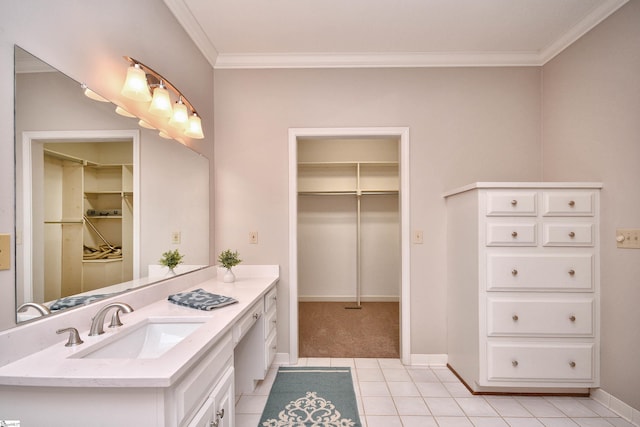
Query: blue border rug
point(311, 397)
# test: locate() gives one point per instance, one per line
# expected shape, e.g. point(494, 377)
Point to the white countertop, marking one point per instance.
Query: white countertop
point(55, 366)
point(522, 185)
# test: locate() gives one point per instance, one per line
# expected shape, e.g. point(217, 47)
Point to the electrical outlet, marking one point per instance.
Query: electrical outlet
point(417, 237)
point(253, 237)
point(175, 237)
point(628, 238)
point(5, 252)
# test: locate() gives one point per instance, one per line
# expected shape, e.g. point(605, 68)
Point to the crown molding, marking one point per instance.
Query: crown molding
point(376, 60)
point(190, 24)
point(602, 12)
point(386, 60)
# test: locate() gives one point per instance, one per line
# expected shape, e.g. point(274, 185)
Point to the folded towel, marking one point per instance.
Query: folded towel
point(74, 300)
point(201, 299)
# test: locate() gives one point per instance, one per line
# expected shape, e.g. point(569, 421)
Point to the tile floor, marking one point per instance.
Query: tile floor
point(392, 395)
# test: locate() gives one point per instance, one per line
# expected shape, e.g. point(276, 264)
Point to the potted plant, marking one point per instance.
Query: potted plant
point(171, 259)
point(228, 259)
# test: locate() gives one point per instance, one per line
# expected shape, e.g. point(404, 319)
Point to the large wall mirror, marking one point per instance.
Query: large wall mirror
point(98, 200)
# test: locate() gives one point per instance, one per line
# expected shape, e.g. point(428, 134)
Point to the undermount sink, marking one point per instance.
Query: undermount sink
point(150, 340)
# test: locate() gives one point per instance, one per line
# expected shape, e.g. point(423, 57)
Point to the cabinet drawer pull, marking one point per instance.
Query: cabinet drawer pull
point(514, 234)
point(572, 318)
point(514, 363)
point(572, 364)
point(514, 202)
point(572, 234)
point(220, 413)
point(514, 317)
point(572, 203)
point(572, 272)
point(256, 316)
point(514, 272)
point(213, 423)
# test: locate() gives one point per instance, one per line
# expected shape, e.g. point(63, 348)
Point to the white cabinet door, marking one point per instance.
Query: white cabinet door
point(223, 398)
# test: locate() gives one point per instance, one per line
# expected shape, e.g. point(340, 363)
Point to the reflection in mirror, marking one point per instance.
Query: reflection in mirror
point(96, 205)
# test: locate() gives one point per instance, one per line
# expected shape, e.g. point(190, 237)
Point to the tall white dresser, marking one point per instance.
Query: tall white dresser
point(524, 286)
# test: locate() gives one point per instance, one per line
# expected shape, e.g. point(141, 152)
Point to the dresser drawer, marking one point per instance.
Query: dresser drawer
point(511, 203)
point(246, 322)
point(568, 235)
point(541, 362)
point(568, 203)
point(540, 272)
point(540, 317)
point(270, 322)
point(517, 234)
point(270, 299)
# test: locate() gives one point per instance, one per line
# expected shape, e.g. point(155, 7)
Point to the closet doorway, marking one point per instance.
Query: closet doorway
point(349, 243)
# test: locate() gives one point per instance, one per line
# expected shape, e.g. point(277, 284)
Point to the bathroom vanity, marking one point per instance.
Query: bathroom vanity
point(186, 377)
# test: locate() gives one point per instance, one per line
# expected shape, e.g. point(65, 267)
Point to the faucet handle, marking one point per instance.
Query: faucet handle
point(115, 319)
point(74, 336)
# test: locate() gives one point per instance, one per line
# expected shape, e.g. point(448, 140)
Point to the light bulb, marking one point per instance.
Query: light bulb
point(161, 102)
point(135, 85)
point(180, 116)
point(194, 128)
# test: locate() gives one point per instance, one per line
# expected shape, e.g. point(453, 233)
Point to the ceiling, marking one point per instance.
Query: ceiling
point(386, 33)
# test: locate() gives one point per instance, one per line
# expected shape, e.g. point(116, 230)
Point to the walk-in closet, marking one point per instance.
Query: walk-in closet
point(349, 268)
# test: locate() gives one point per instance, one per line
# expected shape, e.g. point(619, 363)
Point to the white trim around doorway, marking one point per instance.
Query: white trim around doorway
point(405, 234)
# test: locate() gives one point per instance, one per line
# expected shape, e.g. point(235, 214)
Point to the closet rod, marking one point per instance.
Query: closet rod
point(347, 193)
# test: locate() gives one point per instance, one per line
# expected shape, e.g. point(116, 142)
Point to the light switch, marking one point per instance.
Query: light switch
point(417, 237)
point(5, 251)
point(176, 237)
point(628, 238)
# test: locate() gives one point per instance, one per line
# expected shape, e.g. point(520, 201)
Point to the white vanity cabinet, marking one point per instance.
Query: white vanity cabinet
point(524, 287)
point(191, 384)
point(255, 352)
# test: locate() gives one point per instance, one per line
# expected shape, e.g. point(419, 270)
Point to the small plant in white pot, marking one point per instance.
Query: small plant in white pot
point(171, 259)
point(229, 259)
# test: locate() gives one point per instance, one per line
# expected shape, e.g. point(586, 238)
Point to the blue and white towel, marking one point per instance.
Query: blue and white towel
point(72, 301)
point(201, 300)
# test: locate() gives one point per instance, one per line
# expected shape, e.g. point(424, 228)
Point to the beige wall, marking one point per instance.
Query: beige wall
point(592, 132)
point(466, 124)
point(87, 40)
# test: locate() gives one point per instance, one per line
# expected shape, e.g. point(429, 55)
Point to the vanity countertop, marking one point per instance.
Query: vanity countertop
point(55, 366)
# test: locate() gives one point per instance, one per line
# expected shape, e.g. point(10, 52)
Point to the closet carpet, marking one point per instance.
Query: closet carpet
point(327, 329)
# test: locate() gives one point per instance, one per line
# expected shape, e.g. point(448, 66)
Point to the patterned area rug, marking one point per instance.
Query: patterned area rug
point(311, 397)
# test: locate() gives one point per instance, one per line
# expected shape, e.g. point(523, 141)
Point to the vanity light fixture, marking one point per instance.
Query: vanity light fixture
point(141, 82)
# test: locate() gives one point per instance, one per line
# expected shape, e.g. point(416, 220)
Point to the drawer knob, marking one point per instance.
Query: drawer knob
point(256, 316)
point(572, 272)
point(572, 318)
point(515, 317)
point(514, 234)
point(572, 234)
point(514, 363)
point(572, 364)
point(214, 423)
point(514, 202)
point(514, 272)
point(220, 413)
point(572, 203)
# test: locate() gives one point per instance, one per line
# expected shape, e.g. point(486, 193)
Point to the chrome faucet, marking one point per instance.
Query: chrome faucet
point(43, 309)
point(97, 326)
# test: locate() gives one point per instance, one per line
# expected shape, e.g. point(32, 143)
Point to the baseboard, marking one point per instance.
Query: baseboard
point(428, 359)
point(616, 405)
point(343, 298)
